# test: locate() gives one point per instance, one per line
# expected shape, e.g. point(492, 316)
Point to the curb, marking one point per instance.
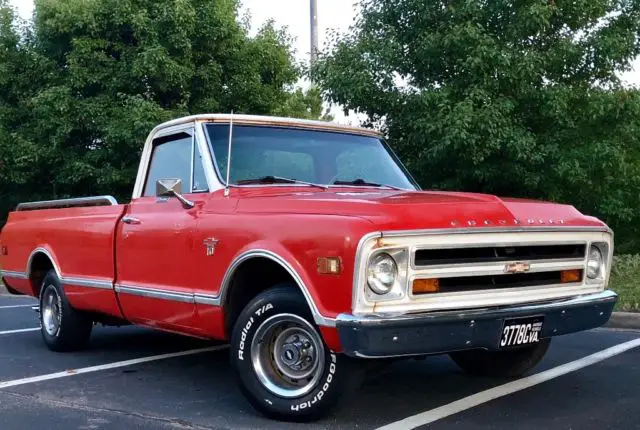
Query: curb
point(624, 320)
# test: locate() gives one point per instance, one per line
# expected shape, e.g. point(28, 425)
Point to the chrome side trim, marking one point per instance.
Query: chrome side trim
point(206, 299)
point(68, 203)
point(48, 255)
point(13, 274)
point(155, 293)
point(377, 319)
point(88, 283)
point(263, 253)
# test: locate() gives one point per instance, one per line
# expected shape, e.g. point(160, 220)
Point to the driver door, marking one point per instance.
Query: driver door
point(154, 245)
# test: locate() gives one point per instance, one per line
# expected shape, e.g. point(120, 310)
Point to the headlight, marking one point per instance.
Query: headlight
point(382, 273)
point(594, 263)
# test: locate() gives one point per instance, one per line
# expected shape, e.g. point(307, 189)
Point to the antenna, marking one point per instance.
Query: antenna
point(226, 187)
point(313, 9)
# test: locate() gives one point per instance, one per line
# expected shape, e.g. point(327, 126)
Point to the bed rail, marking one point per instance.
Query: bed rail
point(68, 203)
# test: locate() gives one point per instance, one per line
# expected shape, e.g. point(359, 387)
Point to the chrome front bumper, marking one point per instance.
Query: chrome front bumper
point(379, 336)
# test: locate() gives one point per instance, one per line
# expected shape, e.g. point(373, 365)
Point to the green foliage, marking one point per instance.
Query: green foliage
point(516, 98)
point(624, 280)
point(83, 83)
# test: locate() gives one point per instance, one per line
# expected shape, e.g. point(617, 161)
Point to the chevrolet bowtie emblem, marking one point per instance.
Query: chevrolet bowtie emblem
point(518, 267)
point(210, 244)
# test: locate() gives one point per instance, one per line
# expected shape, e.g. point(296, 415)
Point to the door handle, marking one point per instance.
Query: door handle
point(131, 220)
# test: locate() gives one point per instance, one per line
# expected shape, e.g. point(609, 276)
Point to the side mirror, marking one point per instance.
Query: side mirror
point(172, 188)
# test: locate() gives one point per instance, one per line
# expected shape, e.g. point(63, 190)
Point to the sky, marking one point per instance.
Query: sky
point(294, 14)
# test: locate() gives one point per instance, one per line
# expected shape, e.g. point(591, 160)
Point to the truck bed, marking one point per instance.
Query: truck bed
point(83, 237)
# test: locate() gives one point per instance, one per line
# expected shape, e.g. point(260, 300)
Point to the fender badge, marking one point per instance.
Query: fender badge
point(210, 243)
point(518, 267)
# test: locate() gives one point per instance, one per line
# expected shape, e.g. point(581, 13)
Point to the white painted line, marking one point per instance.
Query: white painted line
point(444, 411)
point(17, 306)
point(73, 372)
point(22, 330)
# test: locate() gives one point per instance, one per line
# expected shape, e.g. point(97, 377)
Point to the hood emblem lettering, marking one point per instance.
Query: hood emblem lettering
point(503, 222)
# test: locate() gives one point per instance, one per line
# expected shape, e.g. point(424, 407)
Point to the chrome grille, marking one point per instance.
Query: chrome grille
point(496, 254)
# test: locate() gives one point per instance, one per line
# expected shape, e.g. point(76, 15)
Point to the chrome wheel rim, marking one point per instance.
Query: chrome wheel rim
point(287, 355)
point(51, 312)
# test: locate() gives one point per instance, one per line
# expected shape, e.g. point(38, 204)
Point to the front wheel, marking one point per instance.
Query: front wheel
point(284, 368)
point(507, 364)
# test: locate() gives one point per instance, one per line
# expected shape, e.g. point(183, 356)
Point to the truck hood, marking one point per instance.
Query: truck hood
point(411, 210)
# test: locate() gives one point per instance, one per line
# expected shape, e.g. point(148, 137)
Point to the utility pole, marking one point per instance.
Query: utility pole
point(314, 31)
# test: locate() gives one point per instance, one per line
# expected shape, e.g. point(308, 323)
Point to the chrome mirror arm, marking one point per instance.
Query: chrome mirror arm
point(186, 203)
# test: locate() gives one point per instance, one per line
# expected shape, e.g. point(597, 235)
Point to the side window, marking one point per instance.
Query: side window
point(199, 183)
point(171, 158)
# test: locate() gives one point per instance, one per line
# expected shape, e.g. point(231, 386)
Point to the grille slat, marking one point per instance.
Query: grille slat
point(471, 283)
point(497, 254)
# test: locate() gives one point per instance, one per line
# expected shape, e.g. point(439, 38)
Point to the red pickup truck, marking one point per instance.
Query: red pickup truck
point(310, 249)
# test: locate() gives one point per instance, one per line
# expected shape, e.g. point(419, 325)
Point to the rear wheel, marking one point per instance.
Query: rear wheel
point(284, 368)
point(62, 327)
point(508, 363)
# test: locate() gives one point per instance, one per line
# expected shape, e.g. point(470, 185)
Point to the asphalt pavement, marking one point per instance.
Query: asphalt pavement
point(133, 377)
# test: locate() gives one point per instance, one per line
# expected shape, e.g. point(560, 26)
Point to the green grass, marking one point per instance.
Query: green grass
point(625, 280)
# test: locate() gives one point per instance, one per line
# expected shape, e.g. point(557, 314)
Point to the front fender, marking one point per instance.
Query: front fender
point(285, 258)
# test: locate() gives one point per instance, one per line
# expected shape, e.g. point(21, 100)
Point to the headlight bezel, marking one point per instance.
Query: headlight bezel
point(374, 280)
point(594, 271)
point(398, 288)
point(602, 277)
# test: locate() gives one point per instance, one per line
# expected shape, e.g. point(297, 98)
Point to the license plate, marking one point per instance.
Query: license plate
point(521, 331)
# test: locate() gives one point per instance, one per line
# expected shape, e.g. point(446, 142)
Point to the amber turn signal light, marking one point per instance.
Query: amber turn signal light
point(425, 286)
point(567, 276)
point(329, 265)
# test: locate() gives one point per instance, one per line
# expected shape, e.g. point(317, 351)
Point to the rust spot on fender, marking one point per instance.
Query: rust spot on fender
point(381, 243)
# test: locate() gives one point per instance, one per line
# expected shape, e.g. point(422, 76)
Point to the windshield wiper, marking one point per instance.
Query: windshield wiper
point(279, 180)
point(362, 182)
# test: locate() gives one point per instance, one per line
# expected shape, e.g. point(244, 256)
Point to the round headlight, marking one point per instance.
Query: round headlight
point(381, 273)
point(594, 263)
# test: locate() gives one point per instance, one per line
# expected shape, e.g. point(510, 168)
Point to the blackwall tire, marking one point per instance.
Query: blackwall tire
point(62, 327)
point(506, 364)
point(274, 338)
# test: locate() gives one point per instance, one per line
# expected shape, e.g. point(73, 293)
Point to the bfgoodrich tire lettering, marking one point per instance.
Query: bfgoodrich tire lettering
point(62, 327)
point(339, 375)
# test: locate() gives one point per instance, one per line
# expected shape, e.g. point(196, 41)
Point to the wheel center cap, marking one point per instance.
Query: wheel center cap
point(290, 355)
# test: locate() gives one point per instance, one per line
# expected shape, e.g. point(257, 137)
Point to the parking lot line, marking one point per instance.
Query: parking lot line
point(469, 402)
point(74, 372)
point(22, 330)
point(17, 306)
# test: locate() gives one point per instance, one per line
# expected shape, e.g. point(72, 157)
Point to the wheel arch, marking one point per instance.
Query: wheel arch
point(277, 260)
point(40, 261)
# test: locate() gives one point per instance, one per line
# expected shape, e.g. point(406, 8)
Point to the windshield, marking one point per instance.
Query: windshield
point(275, 155)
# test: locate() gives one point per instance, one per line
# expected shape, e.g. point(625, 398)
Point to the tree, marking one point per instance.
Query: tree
point(508, 97)
point(84, 82)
